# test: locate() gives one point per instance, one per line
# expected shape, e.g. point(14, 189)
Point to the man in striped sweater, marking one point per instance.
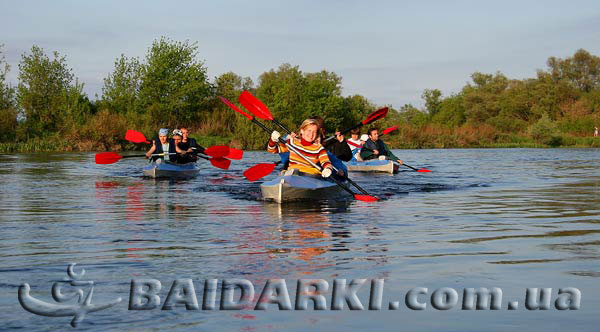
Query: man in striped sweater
point(305, 145)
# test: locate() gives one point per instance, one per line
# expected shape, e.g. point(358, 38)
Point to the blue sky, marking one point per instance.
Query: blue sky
point(387, 51)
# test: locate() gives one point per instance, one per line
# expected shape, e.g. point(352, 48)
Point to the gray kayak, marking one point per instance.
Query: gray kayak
point(166, 169)
point(377, 165)
point(301, 187)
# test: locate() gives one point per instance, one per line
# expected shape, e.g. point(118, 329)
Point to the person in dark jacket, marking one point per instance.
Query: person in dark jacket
point(339, 147)
point(189, 145)
point(374, 148)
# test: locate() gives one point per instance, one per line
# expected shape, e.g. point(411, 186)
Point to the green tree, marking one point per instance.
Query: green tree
point(174, 89)
point(432, 100)
point(222, 119)
point(8, 113)
point(120, 92)
point(582, 70)
point(43, 86)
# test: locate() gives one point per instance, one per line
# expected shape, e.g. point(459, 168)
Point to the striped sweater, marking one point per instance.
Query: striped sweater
point(313, 152)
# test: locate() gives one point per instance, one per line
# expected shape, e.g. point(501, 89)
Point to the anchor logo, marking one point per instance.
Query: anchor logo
point(78, 311)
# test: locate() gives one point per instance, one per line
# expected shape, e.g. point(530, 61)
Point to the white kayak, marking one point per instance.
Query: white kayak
point(301, 187)
point(166, 169)
point(386, 166)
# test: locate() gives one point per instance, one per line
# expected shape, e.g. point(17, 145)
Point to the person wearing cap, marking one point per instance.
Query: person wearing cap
point(374, 148)
point(160, 145)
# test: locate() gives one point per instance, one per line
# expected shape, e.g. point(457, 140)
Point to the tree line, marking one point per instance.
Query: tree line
point(170, 87)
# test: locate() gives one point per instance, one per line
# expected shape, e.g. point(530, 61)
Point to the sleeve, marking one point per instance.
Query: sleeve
point(324, 159)
point(345, 153)
point(389, 152)
point(273, 147)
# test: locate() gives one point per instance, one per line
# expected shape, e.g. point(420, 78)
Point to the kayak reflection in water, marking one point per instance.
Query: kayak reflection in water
point(306, 145)
point(374, 148)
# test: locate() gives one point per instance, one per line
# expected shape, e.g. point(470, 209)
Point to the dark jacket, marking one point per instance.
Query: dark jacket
point(366, 152)
point(339, 149)
point(190, 157)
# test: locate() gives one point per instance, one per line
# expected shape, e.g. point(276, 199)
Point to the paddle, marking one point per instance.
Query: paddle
point(104, 158)
point(389, 130)
point(420, 170)
point(135, 137)
point(259, 171)
point(378, 114)
point(112, 157)
point(261, 111)
point(216, 151)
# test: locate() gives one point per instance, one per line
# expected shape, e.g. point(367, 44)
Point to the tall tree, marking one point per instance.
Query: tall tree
point(8, 113)
point(120, 92)
point(174, 88)
point(582, 70)
point(42, 90)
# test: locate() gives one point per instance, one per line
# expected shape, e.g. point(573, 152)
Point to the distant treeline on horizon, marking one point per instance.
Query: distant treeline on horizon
point(169, 87)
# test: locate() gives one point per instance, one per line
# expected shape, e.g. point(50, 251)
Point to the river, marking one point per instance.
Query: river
point(507, 218)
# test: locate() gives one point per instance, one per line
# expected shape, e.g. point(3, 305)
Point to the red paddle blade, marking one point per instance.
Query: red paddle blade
point(255, 106)
point(217, 151)
point(135, 137)
point(366, 198)
point(235, 108)
point(424, 170)
point(379, 114)
point(389, 130)
point(235, 154)
point(221, 163)
point(259, 171)
point(107, 158)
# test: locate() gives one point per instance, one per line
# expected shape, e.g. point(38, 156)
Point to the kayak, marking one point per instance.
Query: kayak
point(166, 169)
point(301, 187)
point(376, 165)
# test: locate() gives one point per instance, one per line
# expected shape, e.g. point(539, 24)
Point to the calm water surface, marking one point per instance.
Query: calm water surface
point(513, 219)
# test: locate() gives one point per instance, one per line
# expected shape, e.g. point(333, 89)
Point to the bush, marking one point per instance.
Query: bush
point(545, 131)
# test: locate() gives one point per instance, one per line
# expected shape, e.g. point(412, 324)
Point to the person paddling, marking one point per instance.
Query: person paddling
point(374, 148)
point(161, 145)
point(306, 145)
point(354, 143)
point(189, 145)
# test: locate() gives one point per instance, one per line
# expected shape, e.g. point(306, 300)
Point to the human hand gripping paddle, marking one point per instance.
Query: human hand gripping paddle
point(217, 151)
point(420, 170)
point(378, 114)
point(264, 113)
point(112, 157)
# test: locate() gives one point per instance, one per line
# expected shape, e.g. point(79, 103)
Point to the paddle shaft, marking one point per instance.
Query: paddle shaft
point(345, 175)
point(291, 148)
point(343, 132)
